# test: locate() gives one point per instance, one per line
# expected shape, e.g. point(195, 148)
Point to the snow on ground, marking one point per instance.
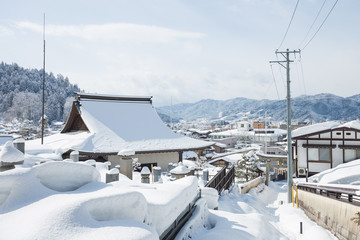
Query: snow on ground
point(9, 154)
point(256, 215)
point(66, 200)
point(346, 173)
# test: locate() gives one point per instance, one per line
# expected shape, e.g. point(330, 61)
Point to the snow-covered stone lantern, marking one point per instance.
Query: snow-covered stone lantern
point(180, 171)
point(112, 175)
point(145, 175)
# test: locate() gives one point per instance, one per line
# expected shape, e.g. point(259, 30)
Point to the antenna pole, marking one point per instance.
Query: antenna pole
point(43, 91)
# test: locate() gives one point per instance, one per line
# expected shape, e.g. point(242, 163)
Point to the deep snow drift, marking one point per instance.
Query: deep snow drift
point(66, 200)
point(347, 173)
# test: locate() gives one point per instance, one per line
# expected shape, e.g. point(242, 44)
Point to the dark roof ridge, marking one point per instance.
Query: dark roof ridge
point(91, 96)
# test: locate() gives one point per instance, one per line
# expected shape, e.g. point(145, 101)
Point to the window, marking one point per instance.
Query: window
point(319, 154)
point(313, 154)
point(324, 154)
point(338, 133)
point(352, 154)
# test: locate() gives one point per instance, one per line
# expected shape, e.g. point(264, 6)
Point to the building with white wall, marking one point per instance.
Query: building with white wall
point(323, 146)
point(100, 126)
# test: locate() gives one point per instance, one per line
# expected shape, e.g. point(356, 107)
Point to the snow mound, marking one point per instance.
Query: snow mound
point(66, 176)
point(347, 173)
point(181, 169)
point(211, 195)
point(10, 155)
point(126, 152)
point(128, 205)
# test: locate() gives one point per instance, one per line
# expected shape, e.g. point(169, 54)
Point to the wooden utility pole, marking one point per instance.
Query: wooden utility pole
point(286, 55)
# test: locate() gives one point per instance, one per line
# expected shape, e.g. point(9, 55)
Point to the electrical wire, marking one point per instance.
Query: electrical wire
point(287, 30)
point(321, 25)
point(302, 73)
point(277, 92)
point(312, 25)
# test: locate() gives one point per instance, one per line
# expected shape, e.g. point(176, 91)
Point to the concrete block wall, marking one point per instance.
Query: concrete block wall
point(331, 214)
point(246, 187)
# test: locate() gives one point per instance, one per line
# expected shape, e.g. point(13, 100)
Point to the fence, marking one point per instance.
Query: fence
point(174, 228)
point(223, 179)
point(332, 207)
point(342, 193)
point(252, 184)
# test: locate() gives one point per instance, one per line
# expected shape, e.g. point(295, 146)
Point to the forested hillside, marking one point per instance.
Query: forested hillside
point(320, 107)
point(21, 93)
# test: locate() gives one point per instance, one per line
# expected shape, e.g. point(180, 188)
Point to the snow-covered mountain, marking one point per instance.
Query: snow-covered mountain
point(320, 107)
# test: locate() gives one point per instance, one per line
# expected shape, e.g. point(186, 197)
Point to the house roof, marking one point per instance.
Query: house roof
point(114, 123)
point(324, 127)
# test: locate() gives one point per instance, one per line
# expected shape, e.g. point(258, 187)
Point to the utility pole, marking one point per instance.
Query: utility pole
point(43, 92)
point(171, 113)
point(286, 55)
point(265, 133)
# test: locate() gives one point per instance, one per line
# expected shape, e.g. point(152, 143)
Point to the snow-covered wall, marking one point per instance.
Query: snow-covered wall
point(162, 159)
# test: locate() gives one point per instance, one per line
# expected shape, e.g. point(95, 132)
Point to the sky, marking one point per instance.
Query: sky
point(181, 51)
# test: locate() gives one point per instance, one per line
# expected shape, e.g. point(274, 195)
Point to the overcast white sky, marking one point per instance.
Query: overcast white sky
point(188, 50)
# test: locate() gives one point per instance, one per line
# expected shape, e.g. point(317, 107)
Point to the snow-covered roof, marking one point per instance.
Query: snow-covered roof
point(320, 127)
point(119, 123)
point(346, 173)
point(233, 132)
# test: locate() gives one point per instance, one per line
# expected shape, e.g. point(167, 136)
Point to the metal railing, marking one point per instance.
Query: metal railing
point(336, 191)
point(223, 179)
point(175, 227)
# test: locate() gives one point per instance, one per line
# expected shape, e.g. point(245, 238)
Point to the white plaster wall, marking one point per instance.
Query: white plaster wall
point(114, 159)
point(301, 154)
point(351, 136)
point(322, 142)
point(318, 167)
point(337, 136)
point(325, 135)
point(162, 159)
point(337, 155)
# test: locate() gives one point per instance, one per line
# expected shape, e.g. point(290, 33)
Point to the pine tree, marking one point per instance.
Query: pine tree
point(246, 168)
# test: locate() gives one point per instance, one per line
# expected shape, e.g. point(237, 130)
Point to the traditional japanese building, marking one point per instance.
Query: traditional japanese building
point(323, 146)
point(99, 126)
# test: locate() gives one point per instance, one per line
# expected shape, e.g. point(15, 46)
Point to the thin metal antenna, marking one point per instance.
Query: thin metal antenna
point(43, 91)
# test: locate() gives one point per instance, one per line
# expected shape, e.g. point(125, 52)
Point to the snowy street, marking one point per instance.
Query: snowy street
point(260, 215)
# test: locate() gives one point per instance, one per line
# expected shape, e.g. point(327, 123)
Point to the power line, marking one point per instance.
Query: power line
point(317, 16)
point(277, 92)
point(302, 73)
point(321, 25)
point(287, 30)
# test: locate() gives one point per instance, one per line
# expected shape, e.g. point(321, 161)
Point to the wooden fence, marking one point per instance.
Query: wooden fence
point(223, 179)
